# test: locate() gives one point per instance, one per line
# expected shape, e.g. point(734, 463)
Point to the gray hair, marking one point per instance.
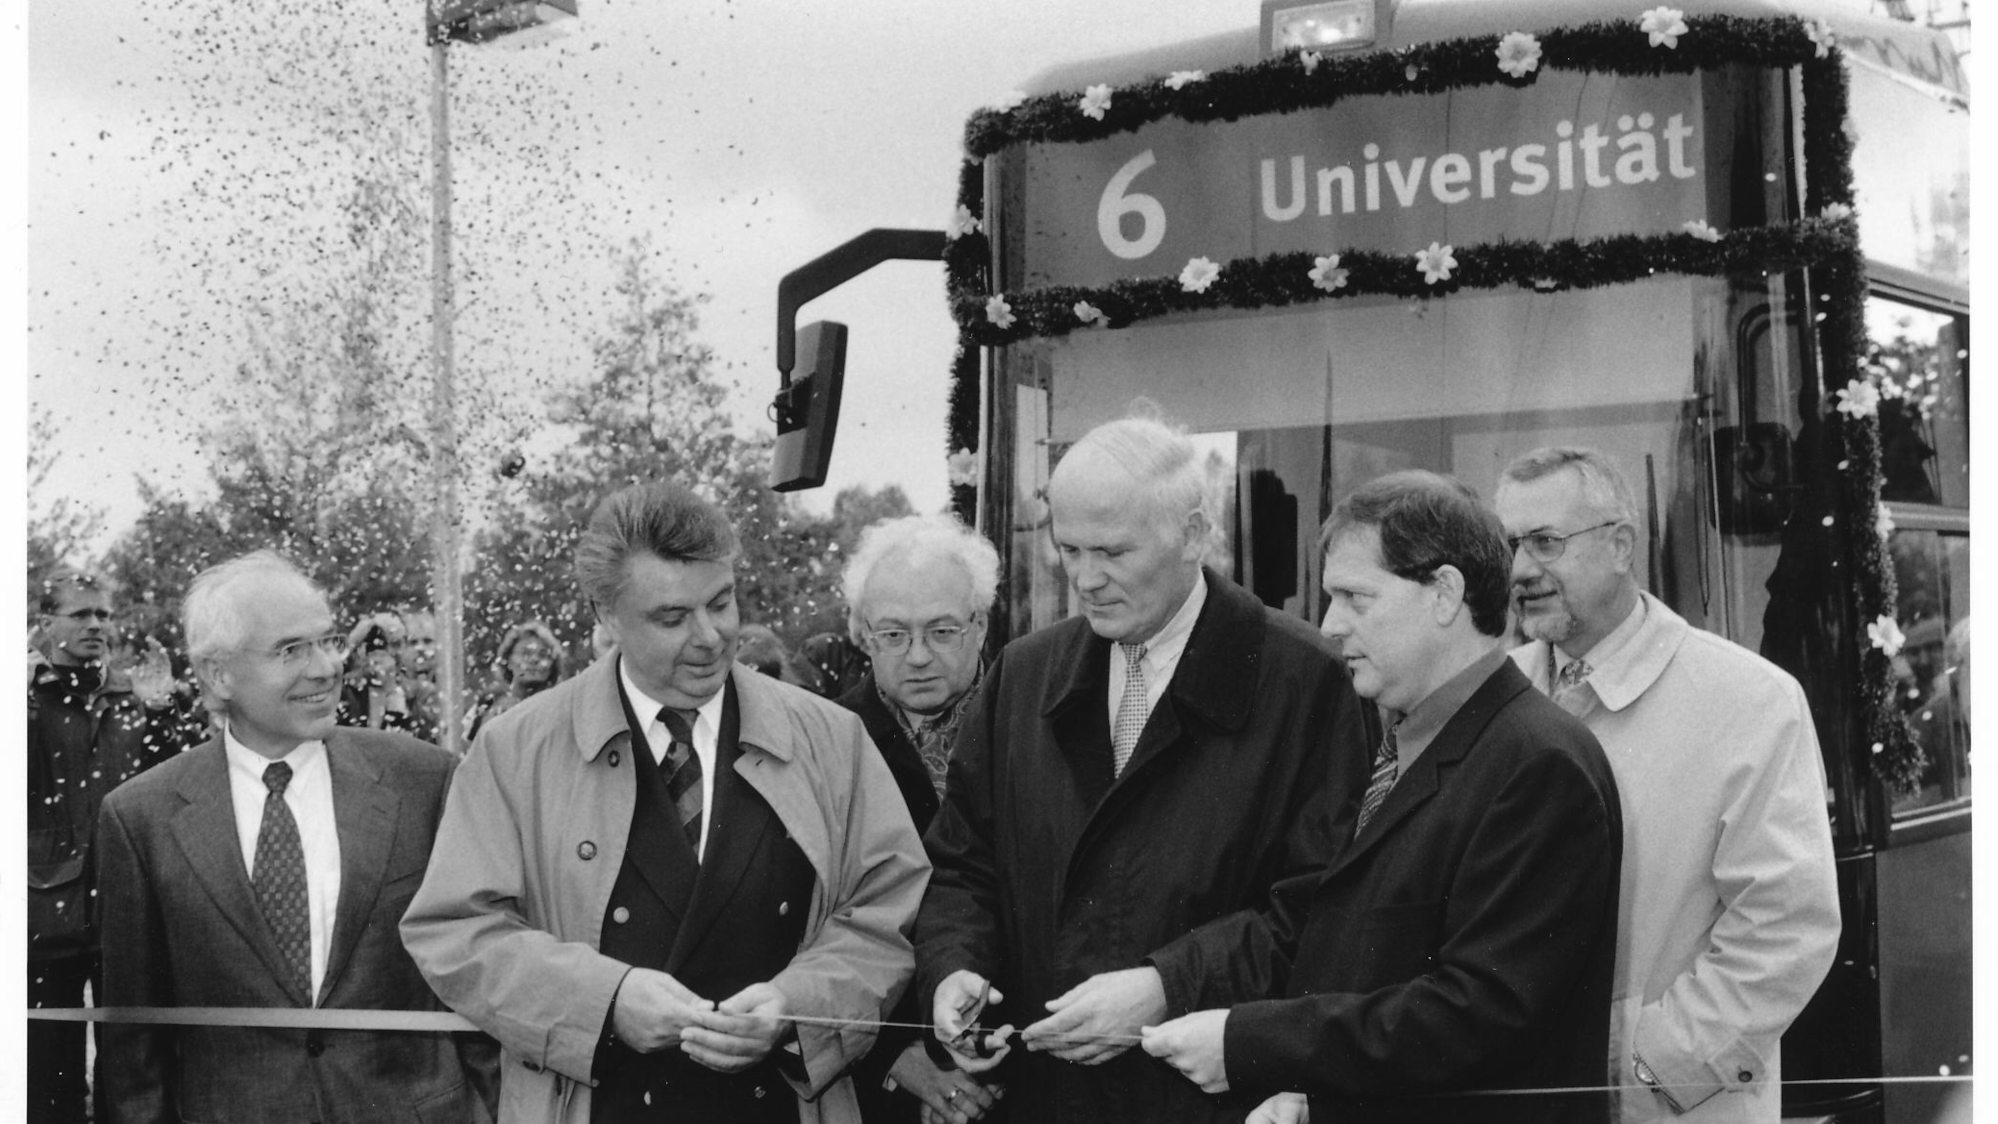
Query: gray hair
point(1159, 456)
point(917, 539)
point(212, 612)
point(661, 518)
point(1602, 481)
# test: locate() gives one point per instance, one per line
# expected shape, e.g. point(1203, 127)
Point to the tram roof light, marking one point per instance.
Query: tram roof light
point(520, 22)
point(1330, 25)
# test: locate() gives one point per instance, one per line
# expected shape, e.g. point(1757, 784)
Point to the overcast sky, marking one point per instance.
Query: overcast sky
point(175, 156)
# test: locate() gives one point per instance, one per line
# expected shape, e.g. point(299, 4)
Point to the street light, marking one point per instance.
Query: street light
point(466, 21)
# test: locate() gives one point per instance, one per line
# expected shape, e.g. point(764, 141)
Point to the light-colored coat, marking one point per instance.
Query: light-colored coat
point(507, 922)
point(1730, 912)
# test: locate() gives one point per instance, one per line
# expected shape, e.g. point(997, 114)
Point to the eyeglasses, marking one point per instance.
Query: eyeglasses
point(82, 615)
point(939, 638)
point(296, 653)
point(1545, 546)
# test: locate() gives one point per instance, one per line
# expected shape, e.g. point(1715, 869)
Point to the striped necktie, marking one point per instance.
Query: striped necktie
point(1132, 709)
point(279, 878)
point(1387, 765)
point(683, 772)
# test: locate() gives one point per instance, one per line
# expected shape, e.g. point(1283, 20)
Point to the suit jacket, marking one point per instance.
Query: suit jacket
point(1464, 940)
point(1730, 894)
point(1050, 871)
point(181, 928)
point(508, 923)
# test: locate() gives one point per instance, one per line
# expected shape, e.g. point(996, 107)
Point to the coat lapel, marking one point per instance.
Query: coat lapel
point(206, 831)
point(365, 811)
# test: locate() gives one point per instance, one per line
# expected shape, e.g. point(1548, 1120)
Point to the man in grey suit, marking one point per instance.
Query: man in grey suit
point(268, 868)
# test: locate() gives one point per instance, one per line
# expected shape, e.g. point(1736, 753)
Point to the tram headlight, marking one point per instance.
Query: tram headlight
point(1330, 25)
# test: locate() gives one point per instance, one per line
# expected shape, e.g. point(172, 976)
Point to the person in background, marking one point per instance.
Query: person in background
point(673, 888)
point(918, 590)
point(530, 660)
point(268, 868)
point(1126, 789)
point(419, 674)
point(89, 729)
point(763, 650)
point(372, 695)
point(1730, 896)
point(829, 665)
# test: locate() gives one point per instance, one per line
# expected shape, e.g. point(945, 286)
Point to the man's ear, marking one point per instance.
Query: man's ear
point(1196, 534)
point(1447, 586)
point(1623, 547)
point(213, 675)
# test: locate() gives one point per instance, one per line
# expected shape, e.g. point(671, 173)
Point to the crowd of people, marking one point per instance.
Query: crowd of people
point(1180, 857)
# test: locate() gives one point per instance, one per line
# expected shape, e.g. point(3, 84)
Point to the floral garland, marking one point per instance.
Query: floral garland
point(1661, 40)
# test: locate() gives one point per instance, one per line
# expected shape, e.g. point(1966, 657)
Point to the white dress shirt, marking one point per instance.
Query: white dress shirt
point(309, 795)
point(707, 733)
point(1162, 653)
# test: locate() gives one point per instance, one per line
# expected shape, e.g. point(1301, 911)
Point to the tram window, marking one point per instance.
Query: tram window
point(1920, 359)
point(1932, 572)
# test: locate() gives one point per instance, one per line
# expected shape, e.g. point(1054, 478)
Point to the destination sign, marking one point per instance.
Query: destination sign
point(1572, 156)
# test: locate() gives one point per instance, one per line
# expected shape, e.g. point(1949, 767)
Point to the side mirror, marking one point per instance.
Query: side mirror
point(807, 409)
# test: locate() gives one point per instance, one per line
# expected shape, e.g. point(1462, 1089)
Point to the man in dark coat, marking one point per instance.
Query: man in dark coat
point(90, 729)
point(1463, 940)
point(918, 590)
point(1124, 785)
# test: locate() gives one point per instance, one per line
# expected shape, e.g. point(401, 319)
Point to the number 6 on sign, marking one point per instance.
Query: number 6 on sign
point(1117, 202)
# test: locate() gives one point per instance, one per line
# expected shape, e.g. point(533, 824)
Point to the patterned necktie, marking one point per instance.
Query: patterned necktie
point(1131, 709)
point(1571, 691)
point(683, 772)
point(279, 880)
point(1387, 766)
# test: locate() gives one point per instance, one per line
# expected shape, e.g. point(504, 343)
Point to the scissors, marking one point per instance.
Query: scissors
point(977, 1041)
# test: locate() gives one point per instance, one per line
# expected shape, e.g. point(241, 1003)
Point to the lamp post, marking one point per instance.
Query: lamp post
point(465, 21)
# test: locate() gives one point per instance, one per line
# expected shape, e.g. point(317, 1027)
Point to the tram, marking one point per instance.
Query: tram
point(1725, 241)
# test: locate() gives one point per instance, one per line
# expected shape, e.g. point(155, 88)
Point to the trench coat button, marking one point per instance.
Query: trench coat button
point(648, 1096)
point(1744, 1076)
point(783, 909)
point(761, 1092)
point(532, 1067)
point(613, 758)
point(586, 850)
point(620, 915)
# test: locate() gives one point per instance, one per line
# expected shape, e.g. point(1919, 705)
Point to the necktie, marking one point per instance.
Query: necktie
point(1131, 709)
point(279, 879)
point(1571, 691)
point(1387, 766)
point(683, 772)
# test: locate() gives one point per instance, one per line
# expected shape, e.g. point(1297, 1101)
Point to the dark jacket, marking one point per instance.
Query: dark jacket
point(82, 743)
point(1049, 872)
point(182, 929)
point(1463, 941)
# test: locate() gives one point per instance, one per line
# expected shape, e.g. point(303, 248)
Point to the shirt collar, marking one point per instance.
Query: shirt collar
point(1420, 725)
point(647, 708)
point(303, 756)
point(1167, 643)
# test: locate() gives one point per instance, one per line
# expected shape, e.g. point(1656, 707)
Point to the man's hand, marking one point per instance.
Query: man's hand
point(1098, 1019)
point(1284, 1108)
point(957, 1006)
point(652, 1009)
point(739, 1032)
point(1193, 1045)
point(152, 677)
point(951, 1096)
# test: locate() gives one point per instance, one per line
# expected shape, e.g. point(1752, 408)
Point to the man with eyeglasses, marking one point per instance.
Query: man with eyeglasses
point(918, 589)
point(89, 729)
point(269, 868)
point(1730, 901)
point(1124, 793)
